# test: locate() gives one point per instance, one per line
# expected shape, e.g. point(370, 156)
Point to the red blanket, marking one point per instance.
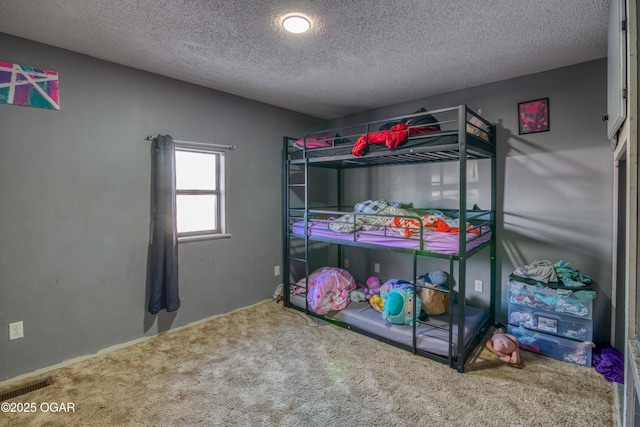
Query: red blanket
point(408, 226)
point(391, 138)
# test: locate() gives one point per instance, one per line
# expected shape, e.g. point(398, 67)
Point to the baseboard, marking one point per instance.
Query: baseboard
point(115, 347)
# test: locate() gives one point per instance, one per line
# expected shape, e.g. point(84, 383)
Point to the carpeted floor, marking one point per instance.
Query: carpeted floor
point(270, 366)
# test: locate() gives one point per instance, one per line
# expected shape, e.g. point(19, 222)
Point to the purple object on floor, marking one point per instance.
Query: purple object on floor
point(609, 362)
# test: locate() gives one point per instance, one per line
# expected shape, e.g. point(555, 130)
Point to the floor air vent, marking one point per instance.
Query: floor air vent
point(26, 389)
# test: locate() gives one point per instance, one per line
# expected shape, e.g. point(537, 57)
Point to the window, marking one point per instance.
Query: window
point(199, 193)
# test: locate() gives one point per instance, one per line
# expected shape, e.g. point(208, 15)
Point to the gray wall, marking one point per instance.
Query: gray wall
point(554, 189)
point(74, 195)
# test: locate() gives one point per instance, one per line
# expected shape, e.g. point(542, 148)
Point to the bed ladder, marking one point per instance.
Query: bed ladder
point(295, 200)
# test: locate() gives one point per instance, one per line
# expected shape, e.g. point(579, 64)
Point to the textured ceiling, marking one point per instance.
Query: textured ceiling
point(359, 55)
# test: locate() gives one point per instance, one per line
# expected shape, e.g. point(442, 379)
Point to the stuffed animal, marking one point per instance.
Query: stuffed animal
point(377, 303)
point(378, 300)
point(357, 295)
point(505, 346)
point(393, 284)
point(372, 288)
point(398, 307)
point(438, 278)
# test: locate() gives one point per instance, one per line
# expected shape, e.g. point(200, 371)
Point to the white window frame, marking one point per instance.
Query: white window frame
point(219, 230)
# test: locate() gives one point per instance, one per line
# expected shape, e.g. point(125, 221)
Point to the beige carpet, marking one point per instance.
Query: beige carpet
point(270, 366)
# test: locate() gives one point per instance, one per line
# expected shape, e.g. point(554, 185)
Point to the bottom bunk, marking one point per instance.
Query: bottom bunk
point(434, 337)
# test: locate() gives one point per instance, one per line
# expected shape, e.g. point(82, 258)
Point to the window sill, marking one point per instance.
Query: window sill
point(186, 239)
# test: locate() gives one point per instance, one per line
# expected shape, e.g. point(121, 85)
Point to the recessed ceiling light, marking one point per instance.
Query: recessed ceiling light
point(296, 24)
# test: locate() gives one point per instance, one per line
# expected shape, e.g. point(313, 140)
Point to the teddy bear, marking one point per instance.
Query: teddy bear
point(505, 346)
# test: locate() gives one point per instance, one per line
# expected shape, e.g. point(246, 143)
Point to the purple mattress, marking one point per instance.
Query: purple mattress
point(434, 241)
point(432, 337)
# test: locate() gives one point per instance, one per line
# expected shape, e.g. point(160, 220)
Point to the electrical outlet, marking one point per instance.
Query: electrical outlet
point(346, 263)
point(16, 330)
point(478, 285)
point(276, 270)
point(376, 267)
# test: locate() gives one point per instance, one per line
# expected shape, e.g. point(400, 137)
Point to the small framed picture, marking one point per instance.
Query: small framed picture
point(533, 116)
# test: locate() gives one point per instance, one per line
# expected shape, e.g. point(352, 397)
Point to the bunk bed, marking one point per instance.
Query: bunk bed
point(456, 134)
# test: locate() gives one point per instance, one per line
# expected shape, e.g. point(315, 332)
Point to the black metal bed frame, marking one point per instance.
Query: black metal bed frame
point(448, 145)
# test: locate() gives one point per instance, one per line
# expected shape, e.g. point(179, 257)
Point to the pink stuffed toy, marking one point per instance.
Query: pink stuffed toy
point(505, 346)
point(372, 288)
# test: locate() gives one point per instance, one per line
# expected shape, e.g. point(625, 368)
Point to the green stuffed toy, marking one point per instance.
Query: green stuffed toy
point(398, 308)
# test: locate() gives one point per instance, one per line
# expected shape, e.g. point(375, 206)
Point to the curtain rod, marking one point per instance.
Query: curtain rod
point(201, 144)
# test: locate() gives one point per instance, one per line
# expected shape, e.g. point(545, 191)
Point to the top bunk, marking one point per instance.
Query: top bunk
point(447, 134)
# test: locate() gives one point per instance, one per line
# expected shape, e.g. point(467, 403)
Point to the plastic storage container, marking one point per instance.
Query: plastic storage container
point(541, 298)
point(553, 346)
point(561, 325)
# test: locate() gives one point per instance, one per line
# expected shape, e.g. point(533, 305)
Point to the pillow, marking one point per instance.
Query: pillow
point(423, 120)
point(319, 141)
point(370, 206)
point(315, 141)
point(414, 121)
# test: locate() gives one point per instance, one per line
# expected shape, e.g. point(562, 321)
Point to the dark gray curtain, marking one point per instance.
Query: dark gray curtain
point(164, 240)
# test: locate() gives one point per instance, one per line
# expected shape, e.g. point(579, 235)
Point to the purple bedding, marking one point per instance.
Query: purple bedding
point(432, 337)
point(442, 243)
